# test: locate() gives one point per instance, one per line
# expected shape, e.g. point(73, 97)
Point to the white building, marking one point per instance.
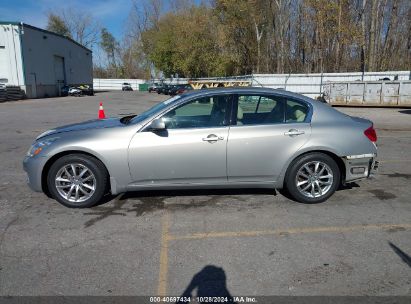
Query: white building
point(41, 62)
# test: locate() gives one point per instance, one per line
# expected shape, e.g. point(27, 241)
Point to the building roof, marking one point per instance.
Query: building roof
point(44, 31)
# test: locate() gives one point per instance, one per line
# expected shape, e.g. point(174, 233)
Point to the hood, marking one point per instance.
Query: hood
point(91, 124)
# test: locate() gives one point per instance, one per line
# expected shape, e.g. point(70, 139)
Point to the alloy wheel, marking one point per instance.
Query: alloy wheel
point(314, 179)
point(75, 182)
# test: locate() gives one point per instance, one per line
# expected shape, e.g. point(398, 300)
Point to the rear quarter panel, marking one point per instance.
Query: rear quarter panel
point(334, 132)
point(338, 132)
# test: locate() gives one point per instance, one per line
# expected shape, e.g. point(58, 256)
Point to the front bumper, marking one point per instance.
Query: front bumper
point(360, 166)
point(34, 168)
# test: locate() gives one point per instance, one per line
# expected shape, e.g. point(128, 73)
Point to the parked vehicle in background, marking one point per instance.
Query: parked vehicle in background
point(75, 92)
point(160, 88)
point(65, 90)
point(216, 138)
point(163, 88)
point(173, 90)
point(180, 89)
point(167, 91)
point(153, 87)
point(126, 87)
point(86, 89)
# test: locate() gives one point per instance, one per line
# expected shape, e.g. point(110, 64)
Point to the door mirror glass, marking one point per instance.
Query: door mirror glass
point(157, 125)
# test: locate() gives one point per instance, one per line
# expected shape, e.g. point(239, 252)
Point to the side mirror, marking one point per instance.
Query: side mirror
point(158, 125)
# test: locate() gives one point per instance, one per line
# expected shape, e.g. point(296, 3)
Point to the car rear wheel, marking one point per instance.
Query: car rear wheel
point(312, 178)
point(77, 181)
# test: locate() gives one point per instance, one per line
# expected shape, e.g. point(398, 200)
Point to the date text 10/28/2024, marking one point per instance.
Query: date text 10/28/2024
point(200, 299)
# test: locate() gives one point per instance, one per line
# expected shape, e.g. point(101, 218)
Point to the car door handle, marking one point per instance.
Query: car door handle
point(294, 132)
point(213, 137)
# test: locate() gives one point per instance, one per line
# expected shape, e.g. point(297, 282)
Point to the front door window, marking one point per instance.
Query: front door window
point(204, 112)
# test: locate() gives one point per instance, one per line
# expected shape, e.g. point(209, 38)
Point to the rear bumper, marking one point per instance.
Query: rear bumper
point(360, 166)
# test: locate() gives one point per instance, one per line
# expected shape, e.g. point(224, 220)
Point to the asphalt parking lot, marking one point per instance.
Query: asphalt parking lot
point(245, 242)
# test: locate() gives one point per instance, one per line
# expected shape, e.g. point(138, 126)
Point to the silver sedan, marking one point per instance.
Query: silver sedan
point(220, 138)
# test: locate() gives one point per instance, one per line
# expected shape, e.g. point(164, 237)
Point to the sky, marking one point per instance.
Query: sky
point(111, 14)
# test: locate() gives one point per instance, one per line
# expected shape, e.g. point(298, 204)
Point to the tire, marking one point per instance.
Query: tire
point(326, 176)
point(86, 190)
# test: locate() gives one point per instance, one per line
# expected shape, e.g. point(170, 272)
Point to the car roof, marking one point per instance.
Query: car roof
point(245, 90)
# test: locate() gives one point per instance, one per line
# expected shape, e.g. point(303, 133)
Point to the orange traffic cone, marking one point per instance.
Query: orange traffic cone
point(101, 114)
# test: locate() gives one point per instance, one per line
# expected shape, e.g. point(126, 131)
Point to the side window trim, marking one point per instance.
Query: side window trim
point(234, 110)
point(232, 101)
point(258, 104)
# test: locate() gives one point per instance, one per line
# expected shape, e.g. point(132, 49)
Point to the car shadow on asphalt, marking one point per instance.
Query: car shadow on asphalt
point(143, 202)
point(346, 186)
point(405, 111)
point(198, 192)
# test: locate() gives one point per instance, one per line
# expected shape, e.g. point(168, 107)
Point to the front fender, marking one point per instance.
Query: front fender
point(110, 146)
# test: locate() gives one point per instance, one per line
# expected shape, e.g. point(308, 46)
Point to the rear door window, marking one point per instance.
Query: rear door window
point(259, 110)
point(296, 111)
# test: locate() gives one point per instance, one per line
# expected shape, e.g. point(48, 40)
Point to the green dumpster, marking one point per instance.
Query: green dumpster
point(143, 87)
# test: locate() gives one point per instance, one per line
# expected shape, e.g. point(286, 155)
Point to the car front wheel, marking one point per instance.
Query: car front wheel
point(312, 178)
point(77, 180)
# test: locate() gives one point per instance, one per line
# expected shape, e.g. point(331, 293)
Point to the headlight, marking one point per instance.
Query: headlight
point(38, 146)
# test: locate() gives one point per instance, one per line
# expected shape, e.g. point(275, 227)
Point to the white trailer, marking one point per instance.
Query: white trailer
point(41, 62)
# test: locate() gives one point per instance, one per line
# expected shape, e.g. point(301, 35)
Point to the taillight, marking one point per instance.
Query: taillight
point(371, 134)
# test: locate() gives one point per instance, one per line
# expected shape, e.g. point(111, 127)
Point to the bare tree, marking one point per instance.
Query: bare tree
point(57, 25)
point(270, 36)
point(180, 5)
point(371, 43)
point(80, 26)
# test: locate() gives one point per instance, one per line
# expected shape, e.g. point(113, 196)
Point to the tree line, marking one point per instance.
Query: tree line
point(237, 37)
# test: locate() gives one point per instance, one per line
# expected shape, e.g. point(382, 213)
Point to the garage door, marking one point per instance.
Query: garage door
point(59, 73)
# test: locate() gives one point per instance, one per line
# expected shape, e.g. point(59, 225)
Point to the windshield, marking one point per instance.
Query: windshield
point(157, 108)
